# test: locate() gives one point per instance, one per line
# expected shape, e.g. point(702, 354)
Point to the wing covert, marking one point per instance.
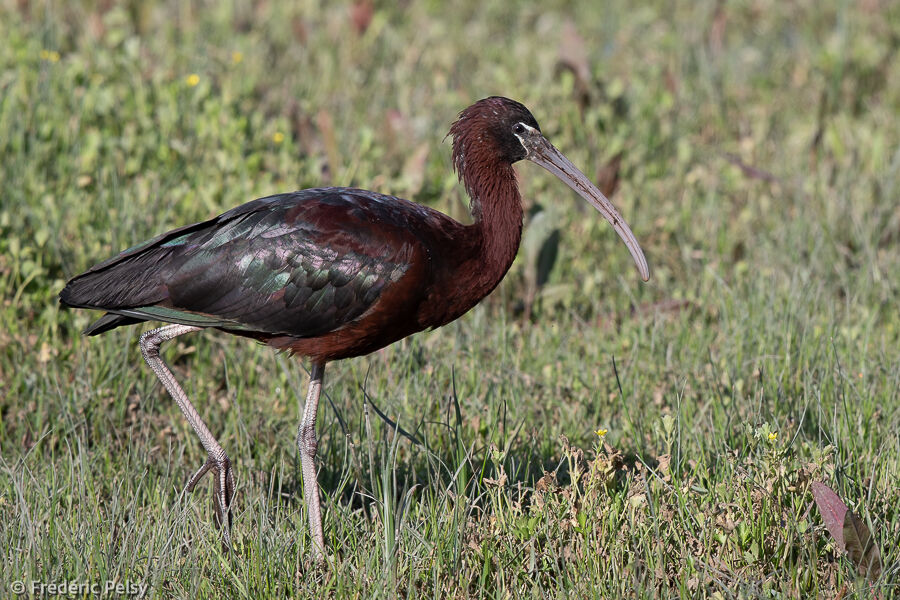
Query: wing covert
point(300, 265)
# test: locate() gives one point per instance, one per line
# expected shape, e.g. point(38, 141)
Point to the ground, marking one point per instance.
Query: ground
point(580, 433)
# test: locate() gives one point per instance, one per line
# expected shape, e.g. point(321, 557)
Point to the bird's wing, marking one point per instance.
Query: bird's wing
point(299, 264)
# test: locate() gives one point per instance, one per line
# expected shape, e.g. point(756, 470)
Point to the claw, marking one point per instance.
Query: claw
point(223, 493)
point(210, 463)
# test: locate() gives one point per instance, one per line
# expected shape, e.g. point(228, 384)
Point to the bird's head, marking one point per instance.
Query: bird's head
point(497, 132)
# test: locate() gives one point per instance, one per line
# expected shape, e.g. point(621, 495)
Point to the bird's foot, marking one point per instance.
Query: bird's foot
point(223, 491)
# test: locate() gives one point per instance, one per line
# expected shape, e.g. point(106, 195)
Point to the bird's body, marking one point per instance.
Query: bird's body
point(332, 273)
point(327, 273)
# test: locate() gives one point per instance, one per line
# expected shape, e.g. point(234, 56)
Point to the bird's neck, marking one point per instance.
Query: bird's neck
point(497, 229)
point(480, 253)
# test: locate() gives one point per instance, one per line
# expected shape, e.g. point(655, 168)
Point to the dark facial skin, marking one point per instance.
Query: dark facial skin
point(509, 127)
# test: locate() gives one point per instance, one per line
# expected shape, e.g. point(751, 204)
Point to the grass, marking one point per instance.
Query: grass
point(759, 168)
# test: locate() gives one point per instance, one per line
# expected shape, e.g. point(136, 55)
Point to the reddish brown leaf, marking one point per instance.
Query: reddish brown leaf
point(300, 30)
point(607, 178)
point(361, 13)
point(574, 57)
point(573, 53)
point(861, 547)
point(849, 531)
point(397, 130)
point(749, 170)
point(414, 169)
point(329, 140)
point(717, 28)
point(832, 509)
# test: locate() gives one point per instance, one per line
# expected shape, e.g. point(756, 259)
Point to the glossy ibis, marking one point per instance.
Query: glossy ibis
point(332, 273)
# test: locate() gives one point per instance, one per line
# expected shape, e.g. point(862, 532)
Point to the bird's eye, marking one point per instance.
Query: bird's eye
point(518, 128)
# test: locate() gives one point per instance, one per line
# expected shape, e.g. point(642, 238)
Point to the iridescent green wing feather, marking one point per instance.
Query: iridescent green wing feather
point(298, 264)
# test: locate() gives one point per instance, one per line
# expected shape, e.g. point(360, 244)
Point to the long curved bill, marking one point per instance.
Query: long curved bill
point(542, 152)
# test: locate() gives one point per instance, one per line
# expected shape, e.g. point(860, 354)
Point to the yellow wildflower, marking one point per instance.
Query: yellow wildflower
point(277, 137)
point(601, 433)
point(50, 55)
point(773, 436)
point(192, 79)
point(237, 57)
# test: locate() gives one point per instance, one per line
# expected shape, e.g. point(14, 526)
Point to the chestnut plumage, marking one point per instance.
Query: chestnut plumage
point(332, 273)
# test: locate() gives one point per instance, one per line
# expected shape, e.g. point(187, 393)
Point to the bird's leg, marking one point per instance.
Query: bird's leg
point(306, 441)
point(218, 461)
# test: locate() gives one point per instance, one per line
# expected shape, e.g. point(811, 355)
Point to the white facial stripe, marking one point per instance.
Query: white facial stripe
point(530, 130)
